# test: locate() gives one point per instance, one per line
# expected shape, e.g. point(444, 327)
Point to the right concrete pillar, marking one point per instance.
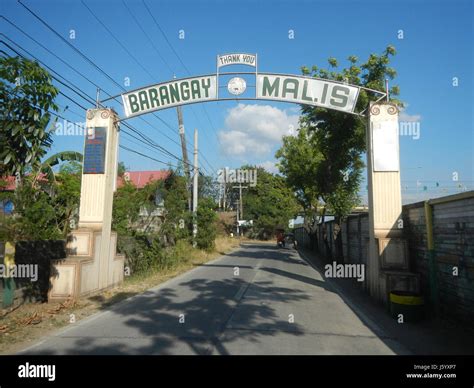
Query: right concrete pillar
point(387, 250)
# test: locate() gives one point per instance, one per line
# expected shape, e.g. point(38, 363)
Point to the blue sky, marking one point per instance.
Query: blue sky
point(436, 46)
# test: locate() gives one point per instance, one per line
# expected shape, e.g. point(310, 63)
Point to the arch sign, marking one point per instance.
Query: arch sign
point(386, 249)
point(276, 87)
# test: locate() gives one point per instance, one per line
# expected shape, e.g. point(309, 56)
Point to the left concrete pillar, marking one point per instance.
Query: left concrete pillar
point(92, 264)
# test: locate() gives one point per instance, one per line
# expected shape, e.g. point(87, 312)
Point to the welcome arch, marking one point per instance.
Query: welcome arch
point(92, 246)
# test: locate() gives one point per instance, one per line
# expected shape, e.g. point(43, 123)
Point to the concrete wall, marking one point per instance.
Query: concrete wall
point(34, 252)
point(453, 223)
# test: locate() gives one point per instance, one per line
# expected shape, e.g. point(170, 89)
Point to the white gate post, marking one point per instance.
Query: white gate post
point(386, 250)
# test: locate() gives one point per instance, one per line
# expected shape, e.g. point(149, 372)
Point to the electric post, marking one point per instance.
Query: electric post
point(184, 151)
point(195, 186)
point(240, 213)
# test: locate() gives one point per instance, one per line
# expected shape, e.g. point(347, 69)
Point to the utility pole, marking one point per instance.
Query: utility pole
point(237, 213)
point(240, 214)
point(195, 185)
point(184, 151)
point(224, 196)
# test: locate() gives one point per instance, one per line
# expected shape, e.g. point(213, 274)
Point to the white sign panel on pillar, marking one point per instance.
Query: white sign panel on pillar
point(170, 94)
point(308, 91)
point(385, 147)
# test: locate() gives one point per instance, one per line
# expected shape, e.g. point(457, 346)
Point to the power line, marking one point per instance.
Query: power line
point(69, 98)
point(128, 52)
point(164, 35)
point(148, 140)
point(118, 41)
point(184, 66)
point(74, 88)
point(145, 156)
point(147, 36)
point(134, 58)
point(70, 45)
point(78, 52)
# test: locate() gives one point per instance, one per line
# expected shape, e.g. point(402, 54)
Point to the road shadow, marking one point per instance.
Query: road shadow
point(188, 317)
point(424, 338)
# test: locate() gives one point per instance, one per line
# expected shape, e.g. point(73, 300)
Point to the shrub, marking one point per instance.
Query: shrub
point(206, 222)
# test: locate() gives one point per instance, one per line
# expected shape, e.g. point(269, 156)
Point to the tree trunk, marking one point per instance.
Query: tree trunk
point(328, 252)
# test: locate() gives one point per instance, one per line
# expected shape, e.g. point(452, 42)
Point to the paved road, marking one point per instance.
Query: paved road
point(277, 304)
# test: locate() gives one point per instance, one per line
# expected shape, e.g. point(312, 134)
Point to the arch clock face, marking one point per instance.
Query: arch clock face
point(236, 86)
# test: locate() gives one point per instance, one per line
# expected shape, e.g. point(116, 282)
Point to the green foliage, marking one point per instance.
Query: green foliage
point(177, 219)
point(67, 196)
point(323, 163)
point(298, 162)
point(46, 167)
point(26, 96)
point(155, 250)
point(206, 222)
point(44, 209)
point(35, 214)
point(121, 169)
point(207, 187)
point(126, 208)
point(271, 203)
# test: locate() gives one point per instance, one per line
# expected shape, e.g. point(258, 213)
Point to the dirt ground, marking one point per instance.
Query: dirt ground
point(25, 324)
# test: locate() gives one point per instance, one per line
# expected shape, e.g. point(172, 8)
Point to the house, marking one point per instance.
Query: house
point(141, 178)
point(138, 178)
point(149, 218)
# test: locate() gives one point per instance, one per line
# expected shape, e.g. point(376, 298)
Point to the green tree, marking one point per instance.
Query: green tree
point(121, 169)
point(44, 209)
point(177, 220)
point(206, 223)
point(126, 208)
point(332, 171)
point(270, 203)
point(67, 194)
point(298, 161)
point(26, 96)
point(35, 213)
point(46, 168)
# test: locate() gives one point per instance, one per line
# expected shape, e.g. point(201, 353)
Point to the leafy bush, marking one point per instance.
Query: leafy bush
point(207, 224)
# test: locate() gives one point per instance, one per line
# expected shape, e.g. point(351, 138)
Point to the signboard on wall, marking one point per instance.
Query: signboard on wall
point(94, 152)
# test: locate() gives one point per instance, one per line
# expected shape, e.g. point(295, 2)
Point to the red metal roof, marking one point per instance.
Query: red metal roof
point(141, 178)
point(138, 178)
point(10, 186)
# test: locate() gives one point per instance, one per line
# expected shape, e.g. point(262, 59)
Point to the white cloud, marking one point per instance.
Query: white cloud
point(253, 130)
point(407, 117)
point(269, 166)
